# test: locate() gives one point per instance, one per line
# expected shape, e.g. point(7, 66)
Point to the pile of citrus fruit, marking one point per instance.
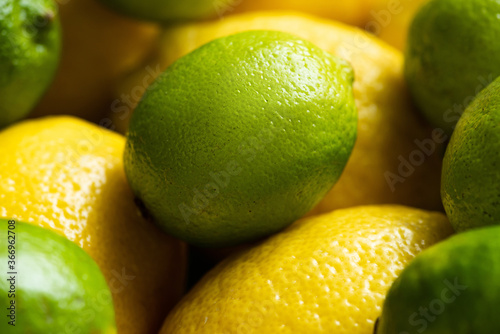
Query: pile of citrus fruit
point(237, 166)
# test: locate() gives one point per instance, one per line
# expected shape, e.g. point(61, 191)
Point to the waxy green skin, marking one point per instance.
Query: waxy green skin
point(453, 53)
point(274, 113)
point(470, 186)
point(29, 54)
point(449, 288)
point(59, 288)
point(168, 11)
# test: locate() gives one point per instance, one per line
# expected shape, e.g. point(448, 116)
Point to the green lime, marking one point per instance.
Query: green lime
point(49, 284)
point(470, 186)
point(449, 288)
point(29, 54)
point(453, 53)
point(172, 10)
point(241, 137)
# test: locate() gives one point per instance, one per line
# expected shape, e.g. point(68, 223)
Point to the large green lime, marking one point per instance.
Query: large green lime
point(172, 10)
point(29, 54)
point(453, 53)
point(450, 288)
point(241, 137)
point(49, 284)
point(470, 186)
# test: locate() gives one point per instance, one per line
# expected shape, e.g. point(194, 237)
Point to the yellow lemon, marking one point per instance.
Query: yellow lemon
point(390, 20)
point(354, 12)
point(396, 157)
point(67, 175)
point(324, 274)
point(99, 47)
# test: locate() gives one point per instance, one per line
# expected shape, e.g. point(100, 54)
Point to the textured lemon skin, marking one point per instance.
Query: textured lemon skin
point(471, 180)
point(354, 12)
point(277, 108)
point(323, 274)
point(388, 125)
point(67, 175)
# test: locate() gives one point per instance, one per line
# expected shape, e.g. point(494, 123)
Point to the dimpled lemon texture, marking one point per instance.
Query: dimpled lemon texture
point(59, 288)
point(241, 137)
point(67, 175)
point(355, 12)
point(471, 178)
point(388, 125)
point(323, 274)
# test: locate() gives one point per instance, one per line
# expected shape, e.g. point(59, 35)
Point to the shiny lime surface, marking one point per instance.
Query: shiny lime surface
point(49, 284)
point(241, 137)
